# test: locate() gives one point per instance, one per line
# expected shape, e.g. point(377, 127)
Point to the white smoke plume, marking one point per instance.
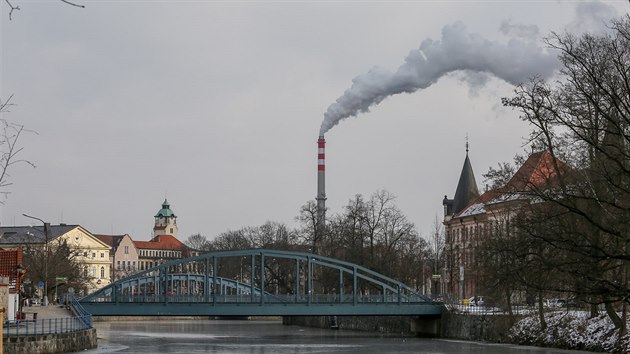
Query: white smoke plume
point(519, 30)
point(515, 62)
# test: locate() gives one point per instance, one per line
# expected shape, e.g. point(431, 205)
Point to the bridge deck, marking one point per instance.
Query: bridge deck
point(248, 309)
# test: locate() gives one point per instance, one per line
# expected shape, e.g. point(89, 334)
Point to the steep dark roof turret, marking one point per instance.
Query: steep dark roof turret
point(466, 187)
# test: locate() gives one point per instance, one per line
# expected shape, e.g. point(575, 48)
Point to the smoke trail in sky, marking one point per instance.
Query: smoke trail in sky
point(514, 62)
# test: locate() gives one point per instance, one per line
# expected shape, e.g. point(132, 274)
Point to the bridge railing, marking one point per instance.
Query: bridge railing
point(46, 326)
point(256, 298)
point(42, 326)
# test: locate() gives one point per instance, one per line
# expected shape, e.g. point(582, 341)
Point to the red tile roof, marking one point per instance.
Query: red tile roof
point(161, 242)
point(538, 171)
point(111, 240)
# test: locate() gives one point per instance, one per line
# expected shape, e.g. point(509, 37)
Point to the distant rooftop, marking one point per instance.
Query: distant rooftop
point(11, 235)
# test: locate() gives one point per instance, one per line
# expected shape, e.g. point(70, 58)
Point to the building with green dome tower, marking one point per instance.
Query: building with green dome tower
point(165, 221)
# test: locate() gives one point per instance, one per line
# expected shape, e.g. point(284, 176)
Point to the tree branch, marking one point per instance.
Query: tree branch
point(73, 4)
point(13, 8)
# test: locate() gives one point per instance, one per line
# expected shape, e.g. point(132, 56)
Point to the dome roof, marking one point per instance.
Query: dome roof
point(165, 211)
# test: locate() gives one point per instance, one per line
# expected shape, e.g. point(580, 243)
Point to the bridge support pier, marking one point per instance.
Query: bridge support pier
point(426, 327)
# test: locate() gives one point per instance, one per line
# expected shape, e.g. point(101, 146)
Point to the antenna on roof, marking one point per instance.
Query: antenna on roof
point(466, 144)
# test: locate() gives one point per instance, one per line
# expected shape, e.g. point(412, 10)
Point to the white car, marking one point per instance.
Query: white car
point(555, 302)
point(476, 301)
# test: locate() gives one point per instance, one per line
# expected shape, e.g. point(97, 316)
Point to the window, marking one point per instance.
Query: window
point(118, 265)
point(85, 254)
point(94, 272)
point(126, 249)
point(171, 230)
point(102, 255)
point(85, 270)
point(93, 254)
point(102, 272)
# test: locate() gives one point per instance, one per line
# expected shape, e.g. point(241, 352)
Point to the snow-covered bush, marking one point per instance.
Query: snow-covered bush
point(570, 330)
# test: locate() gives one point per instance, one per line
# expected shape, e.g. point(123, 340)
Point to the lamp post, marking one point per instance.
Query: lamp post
point(45, 300)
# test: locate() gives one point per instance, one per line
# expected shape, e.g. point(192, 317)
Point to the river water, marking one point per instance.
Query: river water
point(263, 337)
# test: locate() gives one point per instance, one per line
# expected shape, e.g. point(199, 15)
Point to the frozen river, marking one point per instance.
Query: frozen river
point(222, 336)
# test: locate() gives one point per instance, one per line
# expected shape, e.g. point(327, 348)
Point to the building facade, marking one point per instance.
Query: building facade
point(469, 219)
point(123, 257)
point(87, 250)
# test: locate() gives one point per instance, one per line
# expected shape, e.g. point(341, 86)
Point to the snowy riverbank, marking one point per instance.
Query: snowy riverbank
point(571, 330)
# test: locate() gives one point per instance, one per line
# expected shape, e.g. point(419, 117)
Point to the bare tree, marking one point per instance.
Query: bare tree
point(13, 7)
point(376, 234)
point(9, 148)
point(198, 242)
point(60, 260)
point(584, 120)
point(311, 230)
point(436, 248)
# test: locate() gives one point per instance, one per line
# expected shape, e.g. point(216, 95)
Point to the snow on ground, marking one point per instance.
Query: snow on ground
point(571, 330)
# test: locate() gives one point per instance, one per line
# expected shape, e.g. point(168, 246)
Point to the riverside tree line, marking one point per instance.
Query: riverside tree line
point(570, 235)
point(372, 232)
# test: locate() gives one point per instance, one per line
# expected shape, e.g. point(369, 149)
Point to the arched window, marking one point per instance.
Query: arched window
point(85, 271)
point(102, 272)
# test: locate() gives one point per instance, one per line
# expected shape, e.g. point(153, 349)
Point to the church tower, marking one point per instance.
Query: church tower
point(165, 222)
point(466, 191)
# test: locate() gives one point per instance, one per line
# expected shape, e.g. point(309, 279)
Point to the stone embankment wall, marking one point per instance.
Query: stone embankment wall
point(51, 343)
point(487, 328)
point(401, 325)
point(491, 328)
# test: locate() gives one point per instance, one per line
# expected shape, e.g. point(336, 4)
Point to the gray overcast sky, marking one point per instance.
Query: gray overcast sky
point(217, 105)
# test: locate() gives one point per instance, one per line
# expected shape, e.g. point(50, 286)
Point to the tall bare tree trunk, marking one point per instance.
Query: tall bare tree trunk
point(541, 311)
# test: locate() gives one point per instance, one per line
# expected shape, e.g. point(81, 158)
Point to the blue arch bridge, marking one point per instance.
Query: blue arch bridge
point(258, 282)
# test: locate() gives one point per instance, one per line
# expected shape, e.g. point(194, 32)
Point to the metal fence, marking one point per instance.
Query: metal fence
point(526, 310)
point(81, 321)
point(46, 326)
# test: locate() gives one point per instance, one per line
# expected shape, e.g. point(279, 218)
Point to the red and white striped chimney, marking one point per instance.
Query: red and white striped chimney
point(321, 174)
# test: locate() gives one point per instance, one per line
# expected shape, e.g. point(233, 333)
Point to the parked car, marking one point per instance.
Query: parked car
point(476, 301)
point(555, 303)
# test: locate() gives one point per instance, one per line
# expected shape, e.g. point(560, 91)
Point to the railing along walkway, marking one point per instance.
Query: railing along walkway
point(41, 326)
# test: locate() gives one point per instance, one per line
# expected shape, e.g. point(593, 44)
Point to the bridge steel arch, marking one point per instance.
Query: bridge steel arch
point(314, 285)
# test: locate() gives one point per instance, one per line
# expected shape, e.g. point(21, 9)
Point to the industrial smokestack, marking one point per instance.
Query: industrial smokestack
point(321, 187)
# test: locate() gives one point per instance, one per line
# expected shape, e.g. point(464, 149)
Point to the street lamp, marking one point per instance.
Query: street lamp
point(45, 300)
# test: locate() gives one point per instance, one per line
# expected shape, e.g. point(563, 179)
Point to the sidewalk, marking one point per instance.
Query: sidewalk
point(50, 311)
